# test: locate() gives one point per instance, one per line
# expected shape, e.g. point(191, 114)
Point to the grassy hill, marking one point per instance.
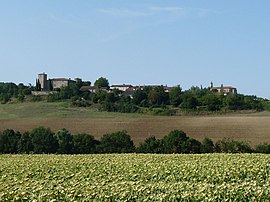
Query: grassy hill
point(252, 127)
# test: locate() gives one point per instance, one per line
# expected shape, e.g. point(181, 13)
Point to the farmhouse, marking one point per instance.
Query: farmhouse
point(225, 90)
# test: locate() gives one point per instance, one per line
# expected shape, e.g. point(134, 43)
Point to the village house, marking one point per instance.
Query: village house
point(123, 87)
point(225, 90)
point(93, 89)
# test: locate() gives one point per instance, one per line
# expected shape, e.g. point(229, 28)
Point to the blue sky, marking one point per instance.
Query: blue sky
point(138, 42)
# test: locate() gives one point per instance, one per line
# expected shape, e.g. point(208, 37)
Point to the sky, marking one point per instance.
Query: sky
point(138, 42)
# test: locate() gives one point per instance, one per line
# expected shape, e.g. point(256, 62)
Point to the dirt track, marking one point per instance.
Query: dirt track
point(255, 129)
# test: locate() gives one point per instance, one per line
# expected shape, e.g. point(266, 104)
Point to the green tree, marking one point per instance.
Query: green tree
point(65, 141)
point(263, 148)
point(234, 101)
point(84, 144)
point(118, 142)
point(189, 101)
point(207, 146)
point(43, 141)
point(150, 145)
point(140, 97)
point(211, 101)
point(175, 96)
point(9, 141)
point(158, 97)
point(232, 146)
point(175, 142)
point(192, 146)
point(25, 143)
point(102, 83)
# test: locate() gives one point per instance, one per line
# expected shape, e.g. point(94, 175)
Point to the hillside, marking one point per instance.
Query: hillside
point(252, 127)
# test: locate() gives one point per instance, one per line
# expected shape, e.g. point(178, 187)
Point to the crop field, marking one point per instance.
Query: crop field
point(251, 127)
point(135, 177)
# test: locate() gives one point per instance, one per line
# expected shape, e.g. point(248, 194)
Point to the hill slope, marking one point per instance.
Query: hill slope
point(254, 128)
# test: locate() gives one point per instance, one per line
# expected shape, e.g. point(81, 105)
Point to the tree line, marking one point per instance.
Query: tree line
point(43, 140)
point(11, 90)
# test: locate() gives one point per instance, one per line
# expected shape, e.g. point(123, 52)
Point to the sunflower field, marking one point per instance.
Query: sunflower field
point(135, 177)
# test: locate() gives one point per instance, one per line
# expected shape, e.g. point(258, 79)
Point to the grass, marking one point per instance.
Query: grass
point(33, 110)
point(251, 127)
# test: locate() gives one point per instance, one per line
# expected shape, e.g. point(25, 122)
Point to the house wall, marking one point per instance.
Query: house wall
point(59, 83)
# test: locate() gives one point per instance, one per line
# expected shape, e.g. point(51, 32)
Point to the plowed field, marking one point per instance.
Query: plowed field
point(254, 128)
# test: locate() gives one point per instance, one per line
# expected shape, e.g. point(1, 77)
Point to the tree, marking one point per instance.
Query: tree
point(175, 96)
point(263, 148)
point(139, 96)
point(232, 146)
point(118, 142)
point(102, 83)
point(43, 141)
point(150, 145)
point(192, 146)
point(211, 101)
point(189, 101)
point(25, 143)
point(207, 146)
point(158, 96)
point(84, 144)
point(65, 141)
point(9, 141)
point(175, 142)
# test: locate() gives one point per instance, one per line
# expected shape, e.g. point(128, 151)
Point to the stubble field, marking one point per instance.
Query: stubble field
point(252, 127)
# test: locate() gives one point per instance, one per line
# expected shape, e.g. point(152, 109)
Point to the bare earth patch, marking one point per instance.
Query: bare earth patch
point(254, 129)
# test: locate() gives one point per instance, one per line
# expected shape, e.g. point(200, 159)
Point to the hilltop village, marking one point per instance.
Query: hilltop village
point(46, 85)
point(127, 98)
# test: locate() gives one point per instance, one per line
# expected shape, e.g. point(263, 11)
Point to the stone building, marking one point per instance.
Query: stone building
point(46, 84)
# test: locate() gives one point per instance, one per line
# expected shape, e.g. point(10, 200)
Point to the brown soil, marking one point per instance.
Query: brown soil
point(254, 129)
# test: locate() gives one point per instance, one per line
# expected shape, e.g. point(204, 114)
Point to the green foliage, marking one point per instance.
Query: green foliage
point(84, 144)
point(207, 146)
point(192, 146)
point(232, 146)
point(65, 142)
point(150, 145)
point(102, 83)
point(36, 98)
point(25, 143)
point(212, 102)
point(175, 96)
point(263, 148)
point(10, 90)
point(189, 101)
point(43, 141)
point(158, 97)
point(118, 142)
point(9, 140)
point(175, 142)
point(140, 98)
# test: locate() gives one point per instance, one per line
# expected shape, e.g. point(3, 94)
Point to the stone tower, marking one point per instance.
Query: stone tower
point(42, 79)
